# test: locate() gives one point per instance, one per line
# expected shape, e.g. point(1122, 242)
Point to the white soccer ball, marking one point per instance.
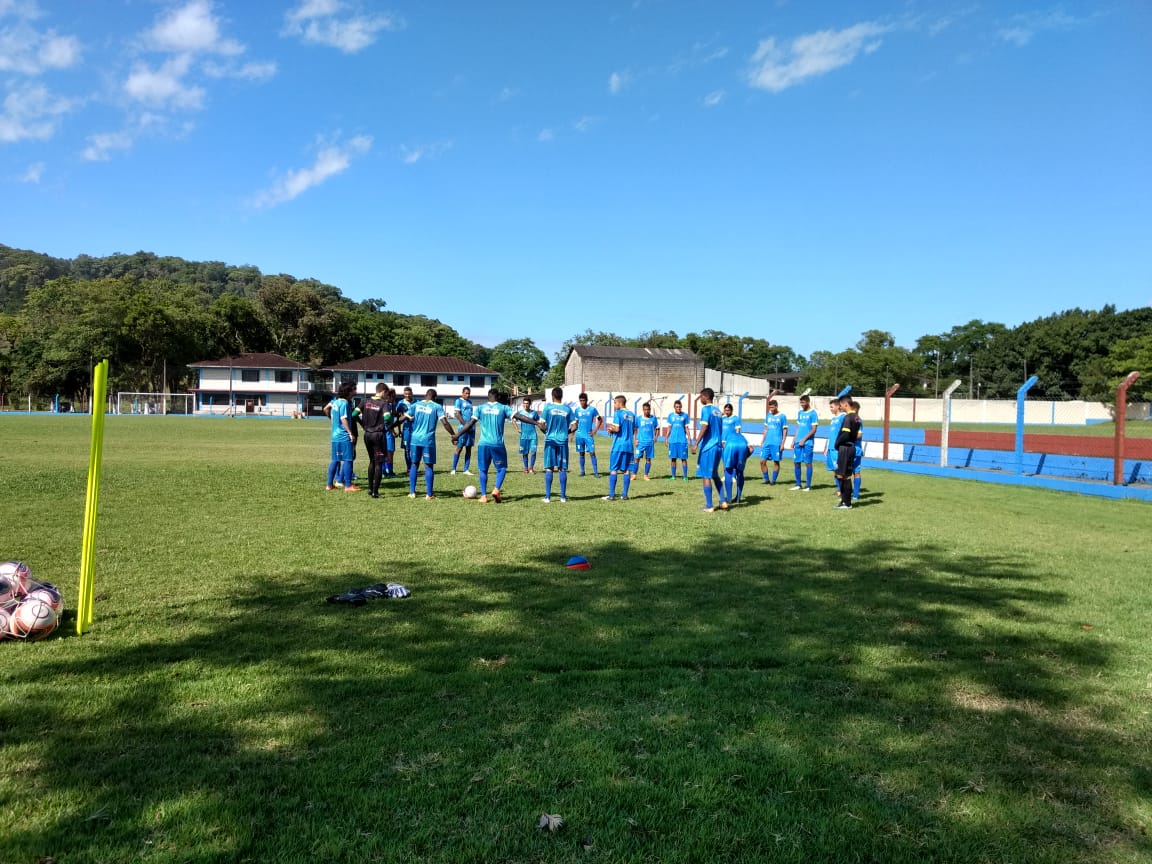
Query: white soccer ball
point(33, 619)
point(9, 592)
point(470, 491)
point(47, 592)
point(17, 573)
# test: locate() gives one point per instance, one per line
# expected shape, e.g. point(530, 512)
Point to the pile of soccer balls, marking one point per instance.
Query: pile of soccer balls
point(28, 609)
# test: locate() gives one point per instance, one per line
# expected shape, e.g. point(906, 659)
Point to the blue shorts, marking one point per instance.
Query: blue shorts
point(389, 442)
point(830, 457)
point(678, 451)
point(620, 461)
point(425, 453)
point(735, 457)
point(492, 454)
point(585, 443)
point(706, 462)
point(555, 456)
point(859, 457)
point(771, 452)
point(645, 451)
point(527, 445)
point(468, 439)
point(343, 451)
point(803, 454)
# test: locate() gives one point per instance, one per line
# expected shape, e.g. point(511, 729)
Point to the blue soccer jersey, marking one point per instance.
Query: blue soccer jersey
point(833, 431)
point(586, 420)
point(678, 428)
point(557, 420)
point(527, 430)
point(646, 429)
point(425, 415)
point(463, 409)
point(806, 421)
point(774, 426)
point(710, 428)
point(492, 417)
point(729, 426)
point(625, 420)
point(339, 411)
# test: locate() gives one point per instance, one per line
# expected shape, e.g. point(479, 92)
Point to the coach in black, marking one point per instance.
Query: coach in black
point(846, 452)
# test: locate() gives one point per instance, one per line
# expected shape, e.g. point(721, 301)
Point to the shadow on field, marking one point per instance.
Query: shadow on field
point(750, 701)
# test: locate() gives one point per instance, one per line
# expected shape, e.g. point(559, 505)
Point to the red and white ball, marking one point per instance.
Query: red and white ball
point(16, 573)
point(5, 624)
point(470, 492)
point(47, 592)
point(33, 619)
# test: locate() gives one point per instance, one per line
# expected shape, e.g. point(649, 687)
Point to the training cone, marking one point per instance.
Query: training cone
point(578, 562)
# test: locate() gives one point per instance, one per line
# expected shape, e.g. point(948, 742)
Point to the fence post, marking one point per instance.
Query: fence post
point(888, 417)
point(1121, 419)
point(1020, 394)
point(945, 422)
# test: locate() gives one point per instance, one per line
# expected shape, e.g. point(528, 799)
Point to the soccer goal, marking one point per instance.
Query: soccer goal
point(153, 403)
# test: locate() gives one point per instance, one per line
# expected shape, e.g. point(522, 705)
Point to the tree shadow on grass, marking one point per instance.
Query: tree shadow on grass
point(755, 700)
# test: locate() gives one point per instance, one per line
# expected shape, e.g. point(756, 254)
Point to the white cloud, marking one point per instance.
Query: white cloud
point(1024, 27)
point(28, 51)
point(775, 68)
point(164, 87)
point(616, 82)
point(416, 153)
point(101, 146)
point(545, 135)
point(714, 98)
point(585, 124)
point(330, 161)
point(31, 112)
point(191, 28)
point(506, 94)
point(336, 24)
point(249, 71)
point(33, 173)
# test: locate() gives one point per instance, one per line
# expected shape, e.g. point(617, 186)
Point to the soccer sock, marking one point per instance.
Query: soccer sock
point(627, 483)
point(797, 468)
point(647, 468)
point(728, 484)
point(612, 485)
point(532, 461)
point(595, 470)
point(524, 459)
point(718, 485)
point(548, 484)
point(412, 480)
point(739, 486)
point(856, 486)
point(333, 467)
point(428, 475)
point(347, 474)
point(809, 470)
point(483, 482)
point(673, 469)
point(467, 462)
point(455, 460)
point(563, 484)
point(581, 463)
point(775, 474)
point(501, 473)
point(708, 495)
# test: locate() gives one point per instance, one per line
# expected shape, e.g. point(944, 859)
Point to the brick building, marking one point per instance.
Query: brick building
point(634, 370)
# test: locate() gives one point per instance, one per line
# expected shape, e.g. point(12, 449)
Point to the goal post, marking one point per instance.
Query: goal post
point(153, 403)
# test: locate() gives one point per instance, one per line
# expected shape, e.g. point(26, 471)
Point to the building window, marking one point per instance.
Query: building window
point(347, 377)
point(428, 380)
point(479, 382)
point(400, 379)
point(249, 375)
point(283, 376)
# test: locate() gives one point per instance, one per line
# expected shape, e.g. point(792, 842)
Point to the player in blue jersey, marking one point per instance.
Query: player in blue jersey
point(490, 448)
point(708, 449)
point(775, 431)
point(464, 440)
point(802, 447)
point(676, 432)
point(528, 436)
point(647, 426)
point(558, 421)
point(830, 455)
point(622, 426)
point(735, 457)
point(729, 422)
point(859, 458)
point(403, 408)
point(342, 438)
point(588, 422)
point(423, 417)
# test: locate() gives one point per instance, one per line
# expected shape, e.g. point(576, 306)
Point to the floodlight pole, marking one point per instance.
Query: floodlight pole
point(1121, 418)
point(888, 417)
point(945, 421)
point(1020, 394)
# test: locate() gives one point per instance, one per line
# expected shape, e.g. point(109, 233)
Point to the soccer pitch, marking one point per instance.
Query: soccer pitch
point(953, 671)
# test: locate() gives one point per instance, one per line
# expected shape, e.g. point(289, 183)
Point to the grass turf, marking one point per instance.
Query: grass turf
point(951, 672)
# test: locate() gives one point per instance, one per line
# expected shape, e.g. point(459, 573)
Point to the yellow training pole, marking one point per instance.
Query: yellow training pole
point(84, 600)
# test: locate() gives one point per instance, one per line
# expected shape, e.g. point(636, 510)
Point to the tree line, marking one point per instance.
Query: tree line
point(152, 315)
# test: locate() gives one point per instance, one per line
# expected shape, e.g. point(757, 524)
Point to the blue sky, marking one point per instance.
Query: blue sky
point(803, 171)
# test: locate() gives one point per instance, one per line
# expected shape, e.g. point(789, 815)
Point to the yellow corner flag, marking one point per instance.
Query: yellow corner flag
point(88, 543)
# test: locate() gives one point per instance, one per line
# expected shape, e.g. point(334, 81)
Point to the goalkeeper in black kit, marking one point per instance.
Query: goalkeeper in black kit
point(846, 452)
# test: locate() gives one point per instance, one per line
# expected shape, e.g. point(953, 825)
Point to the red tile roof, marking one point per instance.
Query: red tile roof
point(253, 361)
point(411, 363)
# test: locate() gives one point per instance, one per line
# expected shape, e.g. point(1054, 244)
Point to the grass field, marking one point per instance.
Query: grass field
point(951, 672)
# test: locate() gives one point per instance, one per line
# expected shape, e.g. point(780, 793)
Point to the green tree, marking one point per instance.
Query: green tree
point(520, 363)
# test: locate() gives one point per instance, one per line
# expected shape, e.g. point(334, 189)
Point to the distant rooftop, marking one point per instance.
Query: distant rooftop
point(252, 361)
point(615, 352)
point(417, 363)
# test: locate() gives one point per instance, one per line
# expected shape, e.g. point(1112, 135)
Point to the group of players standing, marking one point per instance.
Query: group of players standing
point(721, 448)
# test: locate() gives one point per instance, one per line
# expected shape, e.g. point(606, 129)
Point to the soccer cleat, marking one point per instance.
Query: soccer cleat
point(453, 472)
point(806, 489)
point(329, 488)
point(546, 500)
point(843, 507)
point(466, 471)
point(608, 498)
point(723, 505)
point(623, 497)
point(351, 488)
point(707, 509)
point(795, 488)
point(483, 499)
point(411, 494)
point(563, 500)
point(497, 496)
point(429, 497)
